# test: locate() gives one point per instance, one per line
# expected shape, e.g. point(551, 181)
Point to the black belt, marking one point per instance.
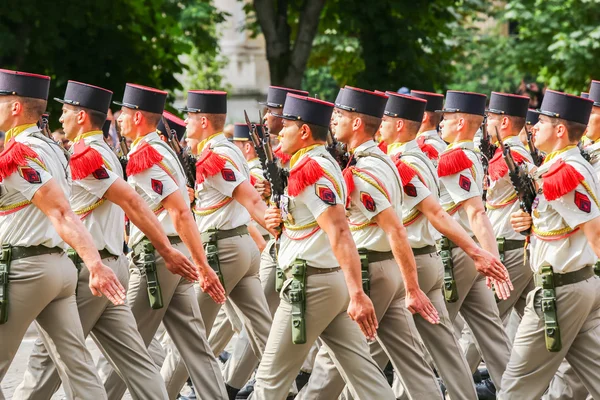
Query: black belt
point(318, 271)
point(376, 256)
point(19, 252)
point(568, 278)
point(424, 250)
point(106, 254)
point(227, 233)
point(513, 244)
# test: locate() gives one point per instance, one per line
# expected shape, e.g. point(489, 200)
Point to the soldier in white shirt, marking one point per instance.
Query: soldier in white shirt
point(38, 280)
point(375, 214)
point(429, 140)
point(99, 197)
point(323, 290)
point(562, 313)
point(225, 201)
point(461, 179)
point(154, 171)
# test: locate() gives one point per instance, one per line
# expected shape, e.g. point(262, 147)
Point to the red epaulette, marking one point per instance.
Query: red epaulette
point(349, 178)
point(383, 146)
point(405, 171)
point(209, 163)
point(283, 157)
point(14, 155)
point(452, 162)
point(560, 179)
point(84, 161)
point(143, 158)
point(497, 167)
point(306, 173)
point(428, 149)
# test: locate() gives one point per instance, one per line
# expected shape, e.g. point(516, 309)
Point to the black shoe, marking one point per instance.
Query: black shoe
point(224, 356)
point(477, 378)
point(486, 390)
point(245, 392)
point(442, 387)
point(231, 392)
point(483, 371)
point(302, 379)
point(389, 373)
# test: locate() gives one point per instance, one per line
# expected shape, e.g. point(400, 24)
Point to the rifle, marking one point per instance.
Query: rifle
point(535, 154)
point(123, 150)
point(337, 150)
point(257, 141)
point(43, 125)
point(487, 151)
point(188, 162)
point(584, 152)
point(521, 181)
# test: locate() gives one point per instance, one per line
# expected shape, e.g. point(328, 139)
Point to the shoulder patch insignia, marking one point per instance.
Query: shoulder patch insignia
point(100, 173)
point(228, 174)
point(410, 190)
point(325, 194)
point(157, 186)
point(367, 200)
point(464, 182)
point(30, 175)
point(582, 201)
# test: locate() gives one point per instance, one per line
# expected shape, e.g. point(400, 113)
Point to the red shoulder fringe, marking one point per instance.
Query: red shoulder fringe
point(209, 164)
point(560, 179)
point(452, 162)
point(142, 159)
point(306, 173)
point(14, 156)
point(428, 149)
point(84, 161)
point(405, 171)
point(383, 147)
point(497, 167)
point(283, 157)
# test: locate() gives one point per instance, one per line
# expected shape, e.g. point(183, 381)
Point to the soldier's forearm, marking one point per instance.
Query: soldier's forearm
point(484, 232)
point(346, 253)
point(404, 257)
point(447, 226)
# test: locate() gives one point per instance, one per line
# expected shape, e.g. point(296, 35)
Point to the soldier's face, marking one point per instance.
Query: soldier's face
point(387, 129)
point(68, 119)
point(593, 128)
point(343, 126)
point(290, 137)
point(449, 127)
point(274, 124)
point(544, 134)
point(493, 121)
point(125, 122)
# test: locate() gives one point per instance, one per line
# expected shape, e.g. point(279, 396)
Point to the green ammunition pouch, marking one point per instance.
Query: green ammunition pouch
point(551, 327)
point(297, 298)
point(597, 268)
point(364, 271)
point(450, 288)
point(72, 254)
point(210, 238)
point(146, 262)
point(5, 259)
point(272, 246)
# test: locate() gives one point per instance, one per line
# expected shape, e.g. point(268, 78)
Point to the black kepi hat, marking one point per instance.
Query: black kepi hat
point(464, 102)
point(585, 95)
point(566, 106)
point(24, 84)
point(307, 109)
point(176, 124)
point(512, 105)
point(362, 101)
point(206, 102)
point(435, 101)
point(276, 96)
point(595, 93)
point(532, 117)
point(241, 132)
point(143, 98)
point(338, 98)
point(87, 96)
point(405, 107)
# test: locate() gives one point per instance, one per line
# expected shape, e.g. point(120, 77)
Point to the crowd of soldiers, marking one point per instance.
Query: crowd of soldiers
point(294, 234)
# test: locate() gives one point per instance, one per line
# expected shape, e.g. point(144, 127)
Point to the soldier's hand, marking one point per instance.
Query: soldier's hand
point(179, 264)
point(490, 266)
point(211, 285)
point(191, 194)
point(263, 187)
point(520, 221)
point(503, 289)
point(418, 302)
point(361, 310)
point(273, 218)
point(103, 281)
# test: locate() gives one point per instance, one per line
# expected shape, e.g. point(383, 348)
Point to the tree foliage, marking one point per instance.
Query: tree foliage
point(108, 42)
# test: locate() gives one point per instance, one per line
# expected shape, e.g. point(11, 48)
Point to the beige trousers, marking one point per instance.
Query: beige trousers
point(239, 259)
point(532, 367)
point(42, 288)
point(114, 328)
point(182, 320)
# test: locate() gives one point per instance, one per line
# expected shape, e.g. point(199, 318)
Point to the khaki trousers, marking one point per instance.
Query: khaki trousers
point(532, 367)
point(522, 279)
point(42, 288)
point(566, 385)
point(477, 306)
point(327, 300)
point(182, 320)
point(239, 259)
point(114, 328)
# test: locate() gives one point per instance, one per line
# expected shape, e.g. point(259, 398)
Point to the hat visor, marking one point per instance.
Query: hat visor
point(447, 110)
point(188, 110)
point(60, 100)
point(132, 106)
point(290, 117)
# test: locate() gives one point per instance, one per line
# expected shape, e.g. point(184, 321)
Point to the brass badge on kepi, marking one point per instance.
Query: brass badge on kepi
point(367, 200)
point(583, 202)
point(30, 175)
point(325, 194)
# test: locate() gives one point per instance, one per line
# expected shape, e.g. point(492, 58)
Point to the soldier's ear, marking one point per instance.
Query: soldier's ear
point(504, 123)
point(561, 130)
point(399, 124)
point(425, 118)
point(17, 108)
point(137, 118)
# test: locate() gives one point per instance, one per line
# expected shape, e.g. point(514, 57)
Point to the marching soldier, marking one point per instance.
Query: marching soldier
point(155, 293)
point(461, 179)
point(37, 278)
point(225, 201)
point(321, 263)
point(176, 124)
point(561, 315)
point(428, 138)
point(423, 215)
point(390, 272)
point(99, 197)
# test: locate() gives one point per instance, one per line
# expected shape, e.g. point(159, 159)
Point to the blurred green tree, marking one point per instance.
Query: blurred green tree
point(107, 43)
